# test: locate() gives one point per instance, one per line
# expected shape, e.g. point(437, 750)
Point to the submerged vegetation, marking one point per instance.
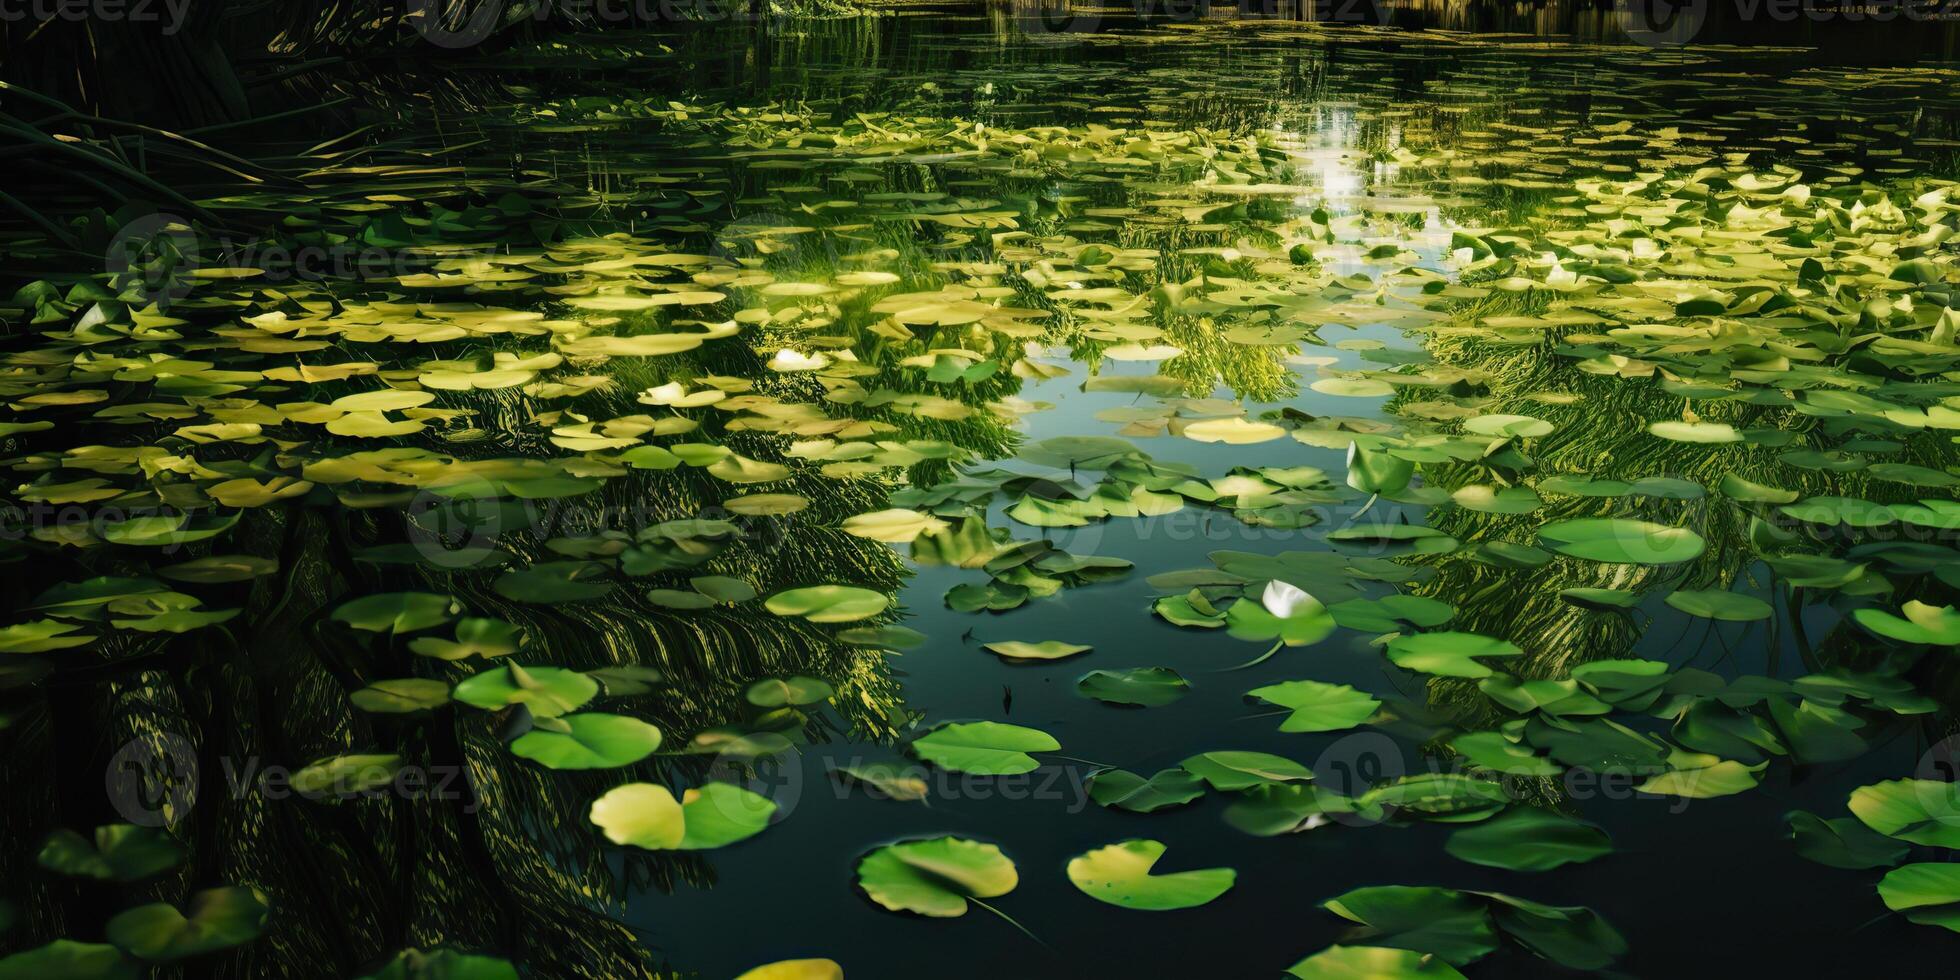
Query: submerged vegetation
point(560, 535)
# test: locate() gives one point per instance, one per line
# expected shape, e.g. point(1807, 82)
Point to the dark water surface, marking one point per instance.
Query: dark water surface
point(1315, 237)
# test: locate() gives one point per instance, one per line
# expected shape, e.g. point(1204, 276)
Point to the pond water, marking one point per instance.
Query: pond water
point(1601, 400)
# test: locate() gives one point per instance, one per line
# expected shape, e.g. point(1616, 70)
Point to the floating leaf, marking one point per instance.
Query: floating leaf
point(1928, 894)
point(1040, 650)
point(401, 695)
point(119, 852)
point(1119, 875)
point(398, 612)
point(1317, 707)
point(640, 814)
point(811, 969)
point(546, 691)
point(1232, 770)
point(1622, 540)
point(1843, 842)
point(985, 748)
point(1372, 963)
point(935, 877)
point(829, 603)
point(1146, 687)
point(1448, 654)
point(778, 692)
point(1730, 607)
point(1923, 811)
point(1125, 790)
point(589, 740)
point(1529, 839)
point(214, 919)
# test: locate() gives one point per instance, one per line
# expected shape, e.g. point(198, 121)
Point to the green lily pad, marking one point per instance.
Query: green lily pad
point(1929, 894)
point(1317, 706)
point(1923, 623)
point(1622, 540)
point(1843, 842)
point(1448, 653)
point(554, 582)
point(985, 748)
point(1119, 875)
point(346, 775)
point(402, 695)
point(589, 740)
point(1730, 607)
point(546, 691)
point(1923, 811)
point(1600, 599)
point(1284, 612)
point(1529, 839)
point(780, 692)
point(215, 919)
point(1146, 687)
point(1121, 789)
point(713, 815)
point(475, 637)
point(41, 636)
point(398, 612)
point(443, 964)
point(935, 877)
point(892, 781)
point(65, 959)
point(883, 637)
point(1451, 924)
point(1234, 770)
point(1372, 963)
point(828, 603)
point(120, 852)
point(1041, 650)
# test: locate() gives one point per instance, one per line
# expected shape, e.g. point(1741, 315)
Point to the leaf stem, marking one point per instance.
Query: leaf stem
point(1256, 661)
point(1007, 919)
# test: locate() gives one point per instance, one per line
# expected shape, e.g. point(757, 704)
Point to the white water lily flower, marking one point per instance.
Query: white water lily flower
point(1286, 600)
point(787, 360)
point(676, 395)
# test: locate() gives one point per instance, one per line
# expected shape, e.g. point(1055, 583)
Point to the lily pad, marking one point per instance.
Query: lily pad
point(1234, 770)
point(1124, 790)
point(119, 852)
point(589, 740)
point(214, 919)
point(985, 748)
point(1317, 706)
point(1119, 875)
point(1928, 894)
point(546, 691)
point(935, 877)
point(828, 603)
point(1622, 540)
point(1529, 839)
point(1146, 687)
point(1037, 650)
point(1448, 653)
